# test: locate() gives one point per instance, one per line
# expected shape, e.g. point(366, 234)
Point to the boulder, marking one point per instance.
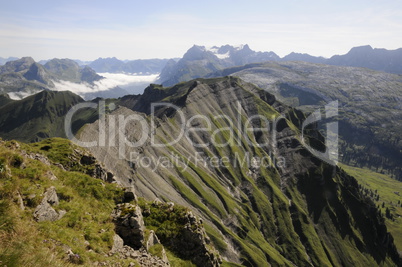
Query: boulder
point(152, 240)
point(44, 211)
point(50, 175)
point(129, 224)
point(118, 244)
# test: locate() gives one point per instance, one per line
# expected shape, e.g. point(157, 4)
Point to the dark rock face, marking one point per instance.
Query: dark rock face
point(89, 75)
point(129, 224)
point(193, 243)
point(129, 241)
point(38, 73)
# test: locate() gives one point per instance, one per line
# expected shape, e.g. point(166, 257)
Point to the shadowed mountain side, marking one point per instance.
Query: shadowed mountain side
point(36, 117)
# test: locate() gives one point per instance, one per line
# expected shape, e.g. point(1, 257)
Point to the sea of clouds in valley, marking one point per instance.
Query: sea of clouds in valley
point(128, 84)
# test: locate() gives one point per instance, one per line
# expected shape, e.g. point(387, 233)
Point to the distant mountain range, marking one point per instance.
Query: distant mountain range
point(367, 57)
point(140, 66)
point(199, 61)
point(362, 56)
point(5, 60)
point(23, 77)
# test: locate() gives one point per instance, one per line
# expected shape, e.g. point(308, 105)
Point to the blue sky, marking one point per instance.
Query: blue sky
point(87, 29)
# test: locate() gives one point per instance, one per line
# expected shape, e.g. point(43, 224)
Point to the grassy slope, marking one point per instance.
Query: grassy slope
point(86, 228)
point(386, 187)
point(25, 242)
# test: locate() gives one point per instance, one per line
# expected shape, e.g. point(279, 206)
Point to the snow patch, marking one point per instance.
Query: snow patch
point(238, 47)
point(223, 56)
point(121, 79)
point(214, 50)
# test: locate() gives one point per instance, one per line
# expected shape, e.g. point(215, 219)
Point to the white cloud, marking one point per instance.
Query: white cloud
point(21, 95)
point(134, 84)
point(121, 79)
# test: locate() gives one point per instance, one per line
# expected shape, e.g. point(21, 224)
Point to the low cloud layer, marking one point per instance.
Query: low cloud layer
point(21, 95)
point(133, 84)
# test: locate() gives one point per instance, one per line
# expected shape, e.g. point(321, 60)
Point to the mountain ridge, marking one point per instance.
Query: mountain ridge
point(260, 212)
point(36, 117)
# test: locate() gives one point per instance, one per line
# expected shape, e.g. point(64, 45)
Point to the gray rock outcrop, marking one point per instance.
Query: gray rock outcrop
point(129, 241)
point(118, 244)
point(45, 211)
point(129, 224)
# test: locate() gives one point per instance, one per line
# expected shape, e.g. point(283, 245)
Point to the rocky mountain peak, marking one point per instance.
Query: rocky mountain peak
point(18, 65)
point(361, 49)
point(37, 72)
point(195, 53)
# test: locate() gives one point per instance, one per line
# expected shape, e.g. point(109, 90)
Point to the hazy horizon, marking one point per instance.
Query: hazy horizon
point(87, 30)
point(125, 59)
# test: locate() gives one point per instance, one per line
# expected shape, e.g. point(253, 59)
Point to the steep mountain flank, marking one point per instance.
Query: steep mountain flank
point(233, 154)
point(69, 70)
point(36, 117)
point(386, 193)
point(370, 120)
point(5, 99)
